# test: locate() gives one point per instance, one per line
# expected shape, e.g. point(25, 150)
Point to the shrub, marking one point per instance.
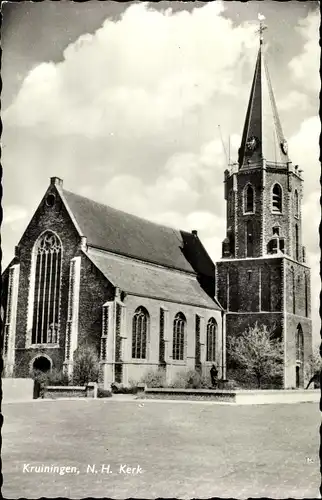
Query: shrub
point(191, 379)
point(154, 378)
point(103, 393)
point(86, 365)
point(230, 385)
point(120, 389)
point(53, 377)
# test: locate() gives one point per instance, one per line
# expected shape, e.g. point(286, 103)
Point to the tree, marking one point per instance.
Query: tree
point(314, 362)
point(313, 365)
point(86, 365)
point(258, 352)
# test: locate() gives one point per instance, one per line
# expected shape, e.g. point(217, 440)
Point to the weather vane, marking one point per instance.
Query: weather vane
point(262, 27)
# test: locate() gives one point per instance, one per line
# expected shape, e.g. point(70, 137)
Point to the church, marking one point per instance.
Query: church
point(146, 296)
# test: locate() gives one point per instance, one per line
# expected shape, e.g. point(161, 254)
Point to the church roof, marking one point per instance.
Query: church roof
point(263, 137)
point(122, 233)
point(151, 281)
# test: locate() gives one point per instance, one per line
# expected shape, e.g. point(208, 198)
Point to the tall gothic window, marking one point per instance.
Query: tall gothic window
point(297, 244)
point(140, 326)
point(277, 198)
point(296, 204)
point(249, 199)
point(178, 336)
point(299, 344)
point(211, 339)
point(48, 255)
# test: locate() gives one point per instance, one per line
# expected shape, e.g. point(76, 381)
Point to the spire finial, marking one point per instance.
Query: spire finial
point(262, 27)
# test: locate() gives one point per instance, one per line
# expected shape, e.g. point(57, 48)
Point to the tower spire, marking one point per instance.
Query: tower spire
point(263, 138)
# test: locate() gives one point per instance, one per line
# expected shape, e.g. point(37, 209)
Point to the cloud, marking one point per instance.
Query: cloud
point(135, 76)
point(305, 151)
point(13, 214)
point(305, 66)
point(294, 99)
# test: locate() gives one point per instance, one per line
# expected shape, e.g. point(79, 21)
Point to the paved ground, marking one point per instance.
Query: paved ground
point(184, 449)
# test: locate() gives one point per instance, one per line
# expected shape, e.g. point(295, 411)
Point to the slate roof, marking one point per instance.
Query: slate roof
point(148, 280)
point(122, 233)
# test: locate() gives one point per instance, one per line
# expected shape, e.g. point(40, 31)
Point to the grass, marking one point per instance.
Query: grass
point(186, 450)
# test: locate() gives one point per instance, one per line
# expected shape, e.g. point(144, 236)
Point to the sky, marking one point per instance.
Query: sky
point(127, 103)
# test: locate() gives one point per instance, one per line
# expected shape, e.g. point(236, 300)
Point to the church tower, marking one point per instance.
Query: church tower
point(263, 276)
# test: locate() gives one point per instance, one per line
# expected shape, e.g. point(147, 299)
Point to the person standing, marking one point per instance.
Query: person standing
point(214, 376)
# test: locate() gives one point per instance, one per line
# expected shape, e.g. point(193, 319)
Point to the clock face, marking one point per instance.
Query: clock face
point(252, 143)
point(284, 147)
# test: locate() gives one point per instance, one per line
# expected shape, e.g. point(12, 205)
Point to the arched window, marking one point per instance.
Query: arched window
point(211, 339)
point(297, 243)
point(249, 199)
point(299, 344)
point(140, 326)
point(277, 198)
point(48, 263)
point(178, 336)
point(296, 204)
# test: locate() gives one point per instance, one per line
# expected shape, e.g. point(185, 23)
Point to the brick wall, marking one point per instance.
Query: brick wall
point(254, 285)
point(263, 220)
point(302, 291)
point(95, 290)
point(253, 177)
point(56, 219)
point(291, 324)
point(135, 369)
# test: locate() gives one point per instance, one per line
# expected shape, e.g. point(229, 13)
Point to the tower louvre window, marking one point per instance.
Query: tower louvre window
point(277, 199)
point(48, 255)
point(249, 199)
